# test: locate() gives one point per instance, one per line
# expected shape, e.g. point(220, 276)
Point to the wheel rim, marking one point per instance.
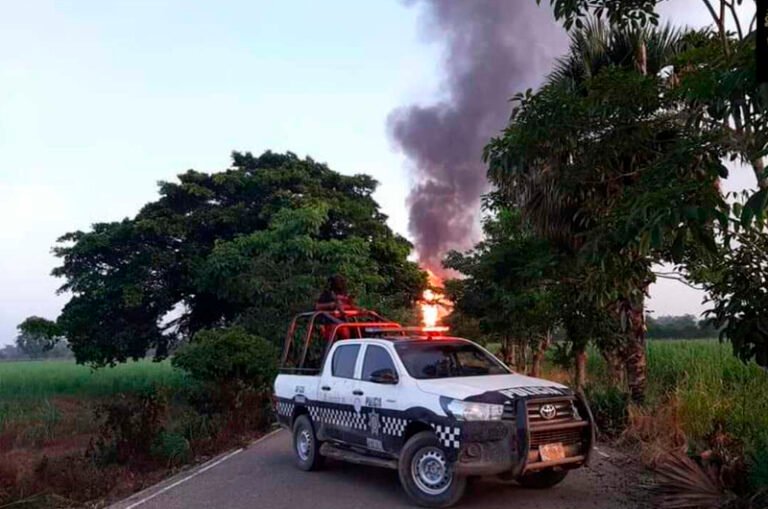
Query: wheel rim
point(304, 444)
point(430, 471)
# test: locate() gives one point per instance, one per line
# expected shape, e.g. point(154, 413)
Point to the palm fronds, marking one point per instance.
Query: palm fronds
point(684, 484)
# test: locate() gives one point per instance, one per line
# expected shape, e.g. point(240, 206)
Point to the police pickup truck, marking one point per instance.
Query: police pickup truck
point(438, 409)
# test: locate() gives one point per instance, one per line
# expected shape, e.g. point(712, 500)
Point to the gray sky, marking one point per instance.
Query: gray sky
point(100, 100)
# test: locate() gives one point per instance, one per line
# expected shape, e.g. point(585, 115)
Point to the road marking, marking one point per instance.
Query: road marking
point(197, 472)
point(601, 453)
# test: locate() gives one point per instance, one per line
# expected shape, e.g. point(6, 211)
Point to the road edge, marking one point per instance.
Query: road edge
point(147, 494)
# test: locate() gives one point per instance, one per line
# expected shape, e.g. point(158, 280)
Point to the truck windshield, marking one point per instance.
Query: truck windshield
point(446, 359)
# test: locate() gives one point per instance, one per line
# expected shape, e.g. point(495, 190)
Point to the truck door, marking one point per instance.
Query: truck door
point(339, 415)
point(379, 382)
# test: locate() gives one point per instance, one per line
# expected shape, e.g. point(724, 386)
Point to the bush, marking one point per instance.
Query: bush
point(129, 426)
point(227, 356)
point(172, 447)
point(609, 407)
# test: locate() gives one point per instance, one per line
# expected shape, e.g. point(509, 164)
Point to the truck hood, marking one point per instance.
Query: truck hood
point(493, 388)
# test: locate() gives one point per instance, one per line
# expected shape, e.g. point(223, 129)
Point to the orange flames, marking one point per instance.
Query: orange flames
point(434, 306)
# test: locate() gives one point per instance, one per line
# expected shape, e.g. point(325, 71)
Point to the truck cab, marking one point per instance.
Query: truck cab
point(438, 409)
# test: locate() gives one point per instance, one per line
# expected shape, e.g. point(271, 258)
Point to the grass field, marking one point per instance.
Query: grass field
point(44, 379)
point(712, 389)
point(40, 393)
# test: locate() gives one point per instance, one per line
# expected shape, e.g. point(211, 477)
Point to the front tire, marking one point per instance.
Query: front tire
point(543, 479)
point(306, 447)
point(426, 475)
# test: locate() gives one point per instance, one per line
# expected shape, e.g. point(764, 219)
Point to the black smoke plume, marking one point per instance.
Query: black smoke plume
point(493, 49)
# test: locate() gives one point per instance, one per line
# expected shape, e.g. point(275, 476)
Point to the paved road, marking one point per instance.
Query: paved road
point(263, 476)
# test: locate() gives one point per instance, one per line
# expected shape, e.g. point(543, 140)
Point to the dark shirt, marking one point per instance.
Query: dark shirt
point(343, 302)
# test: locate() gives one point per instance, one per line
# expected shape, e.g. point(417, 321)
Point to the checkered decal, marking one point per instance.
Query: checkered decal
point(394, 426)
point(285, 408)
point(447, 435)
point(336, 417)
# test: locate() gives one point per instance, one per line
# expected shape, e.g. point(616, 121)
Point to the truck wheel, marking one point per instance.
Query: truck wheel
point(543, 479)
point(426, 475)
point(306, 447)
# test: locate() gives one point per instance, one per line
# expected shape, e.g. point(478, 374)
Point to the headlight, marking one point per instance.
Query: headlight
point(471, 411)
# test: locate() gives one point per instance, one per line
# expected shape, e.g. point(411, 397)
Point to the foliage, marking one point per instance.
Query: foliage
point(712, 388)
point(684, 484)
point(173, 447)
point(277, 271)
point(128, 277)
point(604, 165)
point(229, 355)
point(37, 336)
point(507, 281)
point(716, 80)
point(609, 408)
point(129, 426)
point(618, 12)
point(736, 284)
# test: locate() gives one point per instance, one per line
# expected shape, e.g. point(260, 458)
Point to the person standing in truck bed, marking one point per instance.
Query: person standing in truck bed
point(335, 298)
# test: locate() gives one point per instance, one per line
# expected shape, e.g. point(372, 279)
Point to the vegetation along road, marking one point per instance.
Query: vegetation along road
point(263, 475)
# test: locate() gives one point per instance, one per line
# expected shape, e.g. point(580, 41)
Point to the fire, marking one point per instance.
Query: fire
point(434, 306)
point(429, 308)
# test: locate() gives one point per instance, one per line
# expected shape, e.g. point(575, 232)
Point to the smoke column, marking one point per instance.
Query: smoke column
point(493, 49)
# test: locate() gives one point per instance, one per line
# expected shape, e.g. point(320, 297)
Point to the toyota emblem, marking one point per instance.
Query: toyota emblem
point(547, 411)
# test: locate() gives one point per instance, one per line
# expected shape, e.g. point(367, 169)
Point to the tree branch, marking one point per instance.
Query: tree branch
point(732, 8)
point(712, 12)
point(674, 276)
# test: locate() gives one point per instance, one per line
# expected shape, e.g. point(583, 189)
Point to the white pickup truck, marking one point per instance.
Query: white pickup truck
point(438, 409)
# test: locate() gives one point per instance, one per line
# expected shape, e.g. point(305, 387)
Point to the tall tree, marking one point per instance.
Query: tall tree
point(508, 286)
point(603, 161)
point(140, 284)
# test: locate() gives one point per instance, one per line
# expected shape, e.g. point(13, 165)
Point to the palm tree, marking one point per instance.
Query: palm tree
point(529, 170)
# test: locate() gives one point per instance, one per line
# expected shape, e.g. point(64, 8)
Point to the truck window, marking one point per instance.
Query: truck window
point(446, 359)
point(344, 358)
point(376, 359)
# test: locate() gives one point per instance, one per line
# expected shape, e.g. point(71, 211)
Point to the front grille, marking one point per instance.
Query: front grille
point(568, 436)
point(564, 412)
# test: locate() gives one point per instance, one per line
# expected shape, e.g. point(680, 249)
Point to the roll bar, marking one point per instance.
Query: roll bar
point(355, 321)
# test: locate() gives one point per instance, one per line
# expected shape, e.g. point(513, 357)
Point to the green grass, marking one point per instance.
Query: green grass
point(714, 389)
point(44, 379)
point(28, 389)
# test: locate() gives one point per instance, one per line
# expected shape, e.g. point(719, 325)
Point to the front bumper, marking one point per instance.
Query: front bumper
point(511, 445)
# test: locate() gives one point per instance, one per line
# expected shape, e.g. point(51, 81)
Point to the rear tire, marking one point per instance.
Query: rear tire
point(306, 446)
point(426, 475)
point(542, 480)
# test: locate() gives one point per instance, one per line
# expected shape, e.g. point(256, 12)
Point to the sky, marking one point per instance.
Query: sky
point(100, 100)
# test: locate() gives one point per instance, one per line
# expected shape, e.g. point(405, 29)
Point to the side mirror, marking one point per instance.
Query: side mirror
point(384, 376)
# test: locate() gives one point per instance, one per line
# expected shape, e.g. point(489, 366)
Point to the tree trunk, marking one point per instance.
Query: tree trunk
point(634, 351)
point(580, 358)
point(542, 346)
point(507, 351)
point(641, 59)
point(616, 369)
point(521, 362)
